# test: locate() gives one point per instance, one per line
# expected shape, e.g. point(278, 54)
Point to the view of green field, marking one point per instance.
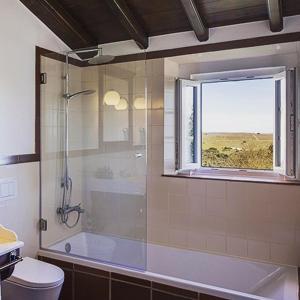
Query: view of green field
point(237, 150)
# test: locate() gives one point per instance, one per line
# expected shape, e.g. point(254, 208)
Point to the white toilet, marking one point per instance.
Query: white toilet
point(33, 279)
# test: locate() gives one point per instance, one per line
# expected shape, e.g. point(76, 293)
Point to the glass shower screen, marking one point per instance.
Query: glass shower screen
point(106, 160)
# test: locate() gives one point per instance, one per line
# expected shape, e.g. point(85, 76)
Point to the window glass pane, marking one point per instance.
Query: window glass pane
point(238, 124)
point(189, 128)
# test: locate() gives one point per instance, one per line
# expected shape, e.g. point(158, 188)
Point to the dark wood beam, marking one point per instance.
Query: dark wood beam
point(275, 15)
point(135, 30)
point(61, 22)
point(195, 20)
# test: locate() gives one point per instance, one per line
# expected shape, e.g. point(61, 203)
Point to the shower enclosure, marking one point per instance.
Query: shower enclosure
point(93, 157)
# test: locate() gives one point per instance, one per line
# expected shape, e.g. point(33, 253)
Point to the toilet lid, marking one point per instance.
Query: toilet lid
point(36, 274)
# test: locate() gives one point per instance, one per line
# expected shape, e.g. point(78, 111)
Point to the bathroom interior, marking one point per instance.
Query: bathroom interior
point(149, 150)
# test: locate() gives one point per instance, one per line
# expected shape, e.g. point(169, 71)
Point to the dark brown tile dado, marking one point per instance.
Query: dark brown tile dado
point(67, 288)
point(158, 295)
point(207, 297)
point(135, 280)
point(89, 270)
point(90, 287)
point(85, 283)
point(127, 291)
point(175, 290)
point(60, 263)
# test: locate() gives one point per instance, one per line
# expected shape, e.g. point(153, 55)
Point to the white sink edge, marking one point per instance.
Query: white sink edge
point(10, 246)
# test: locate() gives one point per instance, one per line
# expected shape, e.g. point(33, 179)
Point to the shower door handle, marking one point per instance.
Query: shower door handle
point(139, 155)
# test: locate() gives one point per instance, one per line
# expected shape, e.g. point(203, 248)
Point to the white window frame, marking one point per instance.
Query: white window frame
point(284, 128)
point(180, 128)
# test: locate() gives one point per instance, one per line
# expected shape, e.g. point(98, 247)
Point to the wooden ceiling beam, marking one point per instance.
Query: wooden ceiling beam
point(135, 30)
point(275, 15)
point(195, 20)
point(61, 19)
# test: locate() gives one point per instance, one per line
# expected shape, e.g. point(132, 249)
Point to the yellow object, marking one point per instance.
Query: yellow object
point(139, 103)
point(112, 98)
point(7, 236)
point(122, 105)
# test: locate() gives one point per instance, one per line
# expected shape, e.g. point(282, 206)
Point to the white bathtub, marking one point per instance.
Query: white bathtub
point(216, 275)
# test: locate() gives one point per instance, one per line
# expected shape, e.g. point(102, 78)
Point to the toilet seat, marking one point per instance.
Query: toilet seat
point(36, 274)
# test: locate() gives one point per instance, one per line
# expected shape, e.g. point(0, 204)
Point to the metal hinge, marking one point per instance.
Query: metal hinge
point(292, 123)
point(43, 225)
point(43, 78)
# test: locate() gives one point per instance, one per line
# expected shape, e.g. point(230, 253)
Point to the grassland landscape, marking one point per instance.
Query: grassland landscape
point(237, 150)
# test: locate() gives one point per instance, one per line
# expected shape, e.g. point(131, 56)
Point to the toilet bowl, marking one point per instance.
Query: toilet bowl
point(33, 279)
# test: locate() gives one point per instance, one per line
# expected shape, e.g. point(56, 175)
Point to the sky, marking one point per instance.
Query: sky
point(238, 106)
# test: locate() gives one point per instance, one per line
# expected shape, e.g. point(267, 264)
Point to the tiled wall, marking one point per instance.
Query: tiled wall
point(251, 220)
point(257, 221)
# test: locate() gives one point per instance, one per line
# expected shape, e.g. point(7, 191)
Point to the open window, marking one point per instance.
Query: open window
point(237, 121)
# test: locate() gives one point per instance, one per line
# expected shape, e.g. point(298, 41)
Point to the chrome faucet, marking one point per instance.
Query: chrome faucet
point(68, 209)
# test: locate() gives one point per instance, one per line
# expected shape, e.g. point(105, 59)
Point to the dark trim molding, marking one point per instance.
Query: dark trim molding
point(38, 52)
point(18, 159)
point(228, 45)
point(58, 56)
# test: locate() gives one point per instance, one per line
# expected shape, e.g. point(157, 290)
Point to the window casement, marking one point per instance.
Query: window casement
point(190, 122)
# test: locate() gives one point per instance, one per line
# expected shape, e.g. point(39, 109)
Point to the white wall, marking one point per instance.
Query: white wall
point(20, 32)
point(288, 59)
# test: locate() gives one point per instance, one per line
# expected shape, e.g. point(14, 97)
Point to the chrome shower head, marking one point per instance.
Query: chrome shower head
point(99, 58)
point(85, 93)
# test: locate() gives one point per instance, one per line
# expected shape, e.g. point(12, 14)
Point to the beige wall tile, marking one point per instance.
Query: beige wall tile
point(216, 189)
point(258, 230)
point(284, 203)
point(216, 243)
point(178, 237)
point(285, 254)
point(235, 218)
point(197, 240)
point(216, 206)
point(196, 187)
point(283, 234)
point(197, 204)
point(237, 227)
point(258, 250)
point(177, 186)
point(237, 199)
point(237, 246)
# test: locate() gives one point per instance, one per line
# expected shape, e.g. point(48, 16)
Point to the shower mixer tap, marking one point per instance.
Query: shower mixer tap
point(68, 209)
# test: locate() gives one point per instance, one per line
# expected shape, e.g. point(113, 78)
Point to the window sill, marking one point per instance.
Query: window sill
point(219, 175)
